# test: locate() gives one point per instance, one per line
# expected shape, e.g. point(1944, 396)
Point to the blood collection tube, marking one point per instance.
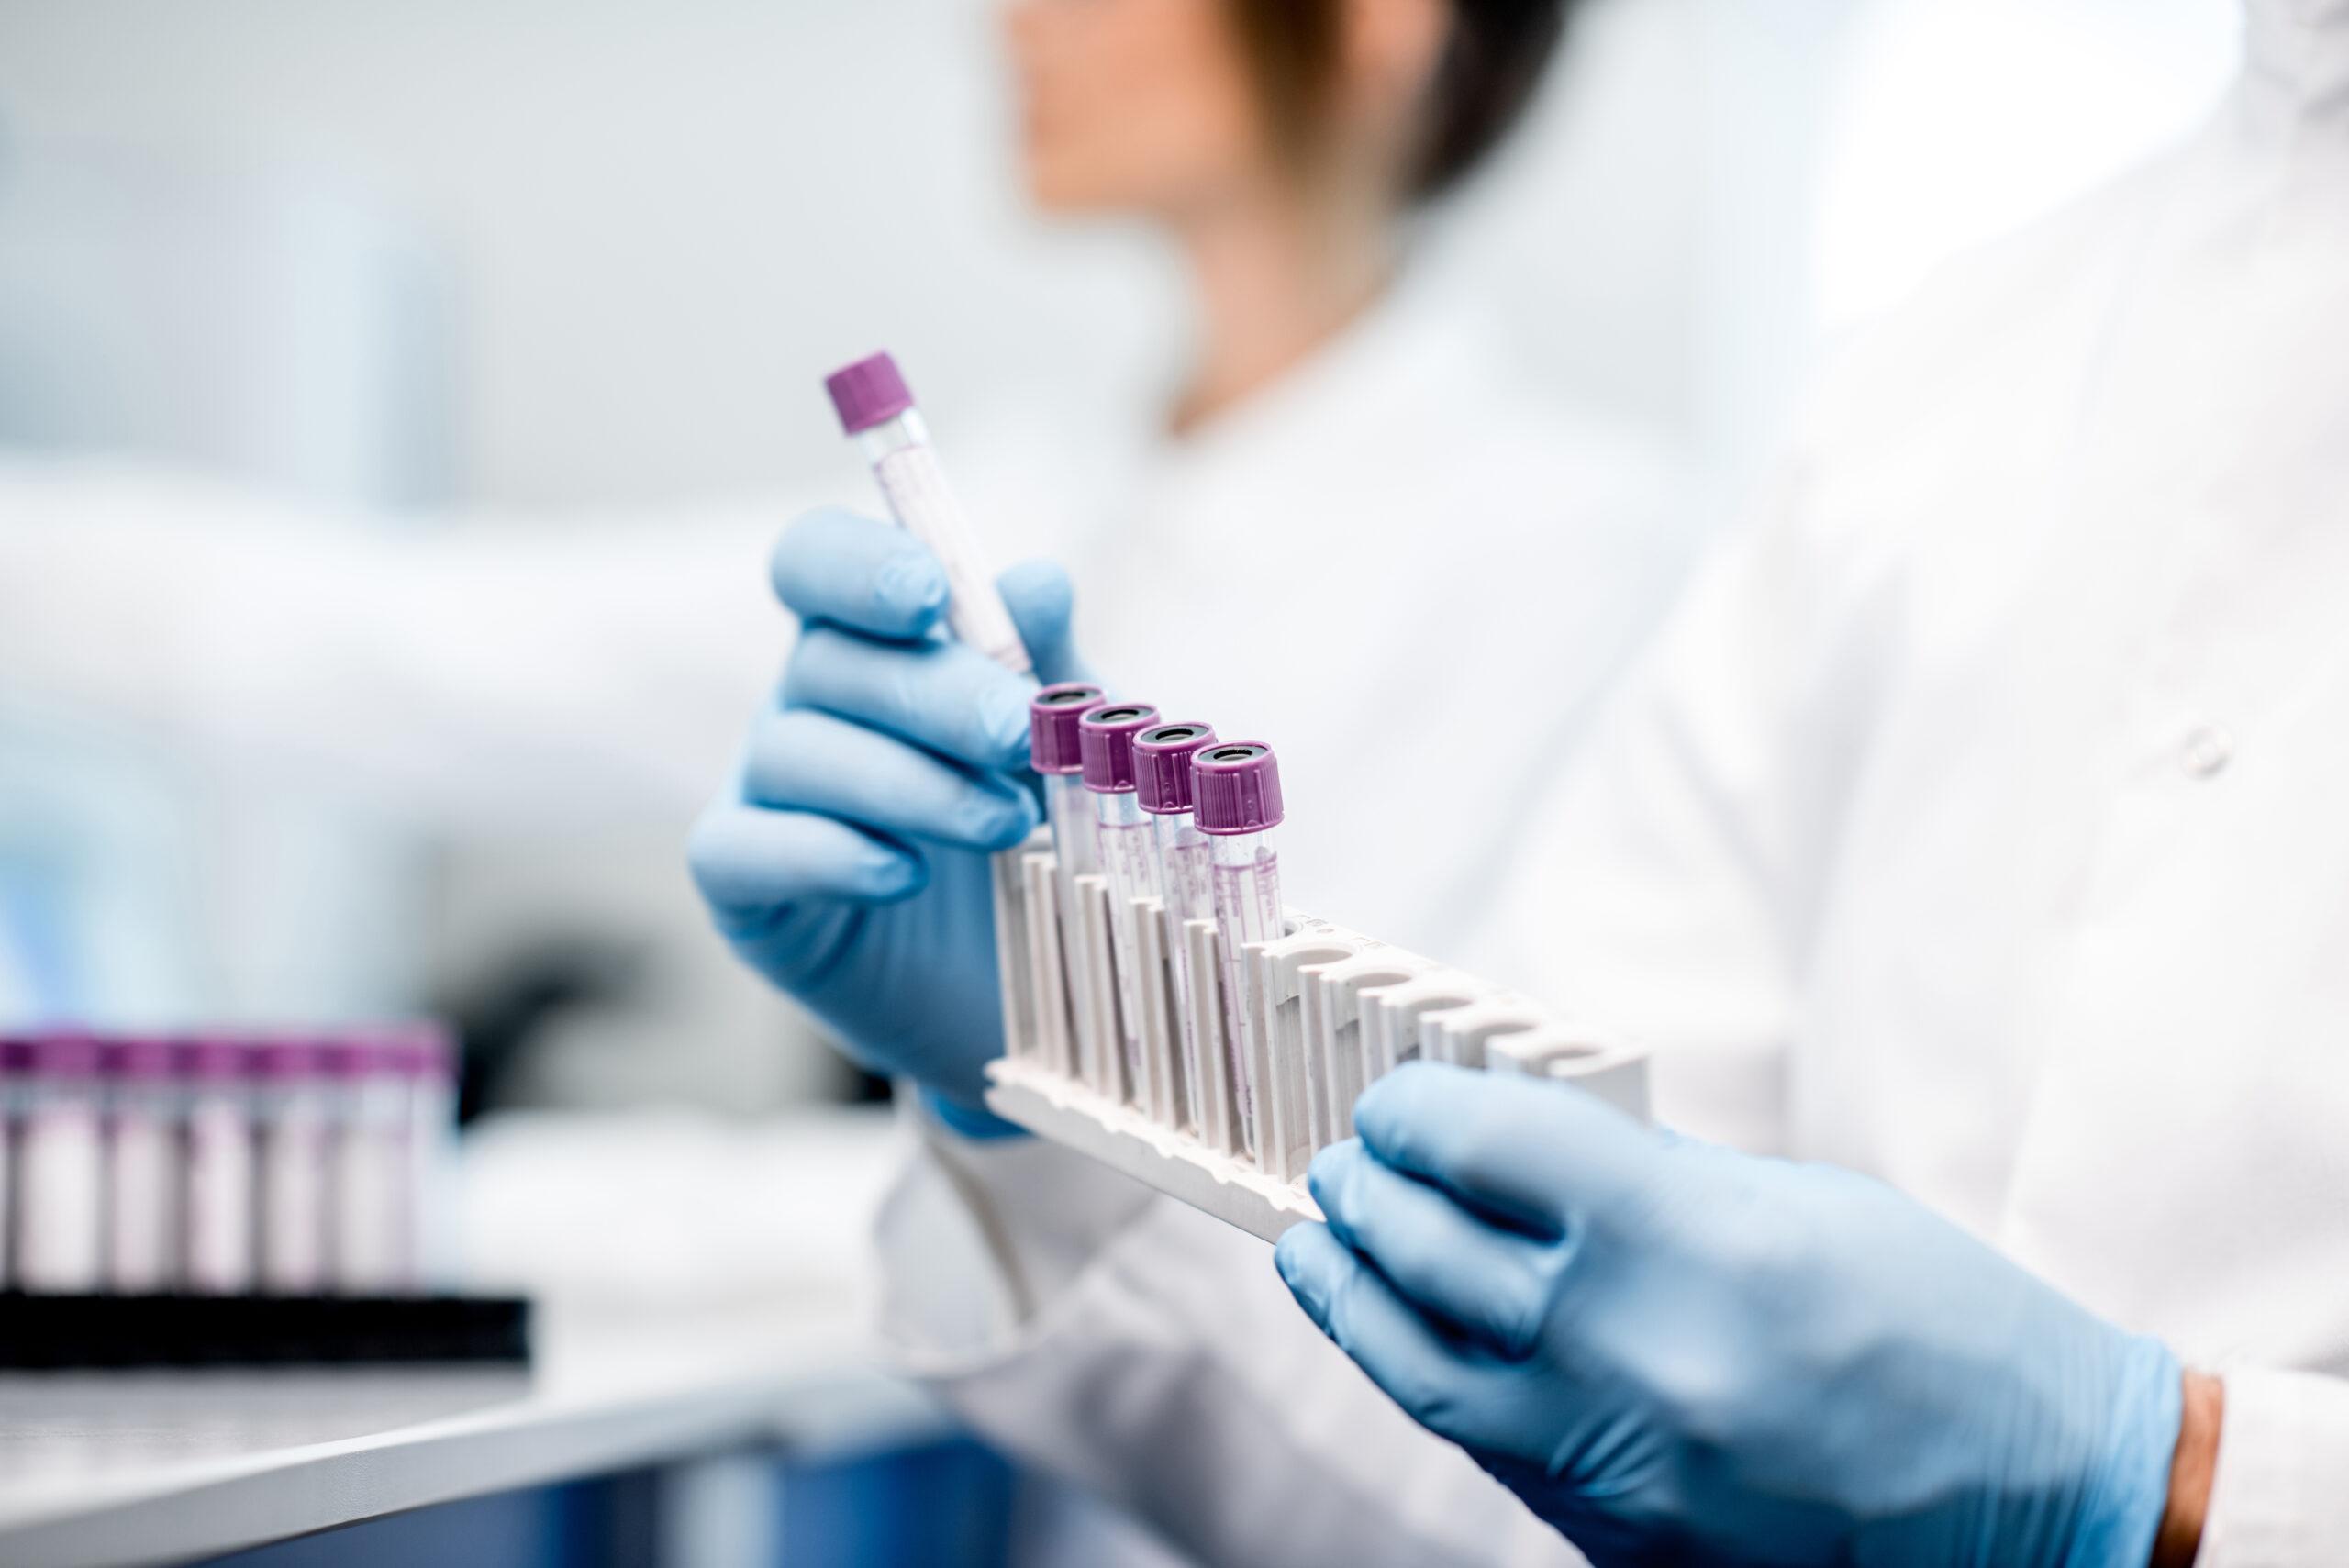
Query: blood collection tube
point(143, 1166)
point(217, 1247)
point(371, 1229)
point(1237, 786)
point(1055, 749)
point(875, 407)
point(295, 1116)
point(1163, 757)
point(60, 1167)
point(429, 1066)
point(16, 1060)
point(1127, 855)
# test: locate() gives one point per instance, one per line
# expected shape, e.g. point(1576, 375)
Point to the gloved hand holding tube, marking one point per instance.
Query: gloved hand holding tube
point(1674, 1353)
point(847, 860)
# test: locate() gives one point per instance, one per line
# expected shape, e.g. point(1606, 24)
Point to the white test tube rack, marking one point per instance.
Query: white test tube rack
point(1329, 1011)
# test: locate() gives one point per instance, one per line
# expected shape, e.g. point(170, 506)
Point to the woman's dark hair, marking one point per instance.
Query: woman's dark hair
point(1491, 66)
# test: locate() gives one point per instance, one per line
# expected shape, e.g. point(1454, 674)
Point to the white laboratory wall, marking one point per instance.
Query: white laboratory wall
point(661, 219)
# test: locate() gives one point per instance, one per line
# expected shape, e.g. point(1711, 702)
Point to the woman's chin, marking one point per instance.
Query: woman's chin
point(1057, 193)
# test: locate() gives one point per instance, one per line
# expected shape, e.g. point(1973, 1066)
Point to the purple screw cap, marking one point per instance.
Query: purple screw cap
point(215, 1056)
point(1052, 715)
point(361, 1055)
point(1162, 765)
point(289, 1059)
point(1237, 786)
point(868, 392)
point(426, 1049)
point(1104, 739)
point(140, 1056)
point(63, 1055)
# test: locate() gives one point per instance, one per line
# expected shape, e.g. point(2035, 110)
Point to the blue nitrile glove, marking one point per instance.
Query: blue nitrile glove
point(1677, 1353)
point(847, 860)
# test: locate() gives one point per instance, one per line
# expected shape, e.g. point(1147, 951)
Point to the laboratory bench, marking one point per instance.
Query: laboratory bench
point(128, 1468)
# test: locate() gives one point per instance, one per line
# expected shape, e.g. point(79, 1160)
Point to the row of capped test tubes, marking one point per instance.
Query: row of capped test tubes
point(1148, 958)
point(1170, 816)
point(222, 1164)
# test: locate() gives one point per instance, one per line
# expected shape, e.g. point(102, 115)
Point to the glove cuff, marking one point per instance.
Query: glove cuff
point(2121, 1512)
point(965, 1120)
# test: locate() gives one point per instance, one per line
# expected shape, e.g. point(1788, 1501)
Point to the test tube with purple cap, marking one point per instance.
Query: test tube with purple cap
point(1055, 750)
point(143, 1176)
point(428, 1061)
point(372, 1227)
point(61, 1170)
point(877, 407)
point(218, 1247)
point(1162, 758)
point(294, 1106)
point(1236, 789)
point(1126, 854)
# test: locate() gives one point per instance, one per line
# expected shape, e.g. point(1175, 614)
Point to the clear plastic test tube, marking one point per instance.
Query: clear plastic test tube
point(60, 1167)
point(217, 1247)
point(1163, 757)
point(1237, 786)
point(428, 1059)
point(875, 407)
point(370, 1229)
point(295, 1116)
point(143, 1167)
point(1056, 752)
point(1128, 857)
point(16, 1059)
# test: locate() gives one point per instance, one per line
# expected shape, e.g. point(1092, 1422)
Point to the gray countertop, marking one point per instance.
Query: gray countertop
point(105, 1469)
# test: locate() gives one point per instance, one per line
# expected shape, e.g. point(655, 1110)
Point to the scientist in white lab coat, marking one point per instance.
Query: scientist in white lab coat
point(1972, 850)
point(1272, 506)
point(1260, 530)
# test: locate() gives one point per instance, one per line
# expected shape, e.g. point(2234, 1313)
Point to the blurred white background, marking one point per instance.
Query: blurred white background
point(538, 261)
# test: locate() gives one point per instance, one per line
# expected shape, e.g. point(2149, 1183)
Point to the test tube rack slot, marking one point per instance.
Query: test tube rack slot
point(1324, 1012)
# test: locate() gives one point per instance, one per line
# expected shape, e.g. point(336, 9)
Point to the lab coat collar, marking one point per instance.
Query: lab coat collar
point(1416, 347)
point(2296, 65)
point(1396, 385)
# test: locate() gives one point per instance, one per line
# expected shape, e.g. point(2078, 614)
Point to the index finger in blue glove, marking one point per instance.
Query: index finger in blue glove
point(750, 862)
point(870, 576)
point(952, 699)
point(1044, 607)
point(1436, 1385)
point(1488, 1283)
point(802, 759)
point(1539, 1154)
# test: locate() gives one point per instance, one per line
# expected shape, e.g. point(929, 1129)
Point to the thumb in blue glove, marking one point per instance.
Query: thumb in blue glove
point(846, 862)
point(1674, 1352)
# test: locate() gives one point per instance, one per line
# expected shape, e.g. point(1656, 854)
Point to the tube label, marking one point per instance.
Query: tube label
point(920, 499)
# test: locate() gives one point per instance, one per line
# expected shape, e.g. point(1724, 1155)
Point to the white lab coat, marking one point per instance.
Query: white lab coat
point(1335, 567)
point(1979, 824)
point(471, 675)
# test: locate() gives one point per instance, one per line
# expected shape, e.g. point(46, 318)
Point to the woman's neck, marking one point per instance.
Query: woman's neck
point(1273, 281)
